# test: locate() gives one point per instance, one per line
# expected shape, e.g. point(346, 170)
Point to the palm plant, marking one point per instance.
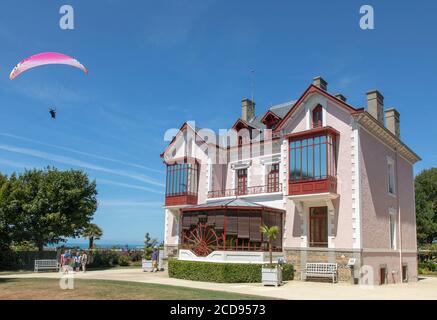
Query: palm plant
point(92, 232)
point(271, 234)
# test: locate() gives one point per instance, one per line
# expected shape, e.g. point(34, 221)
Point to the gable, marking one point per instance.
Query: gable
point(322, 96)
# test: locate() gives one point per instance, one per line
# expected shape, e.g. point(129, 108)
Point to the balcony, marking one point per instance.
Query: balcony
point(328, 184)
point(181, 199)
point(245, 191)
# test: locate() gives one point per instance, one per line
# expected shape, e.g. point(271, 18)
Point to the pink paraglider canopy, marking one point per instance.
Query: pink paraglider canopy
point(43, 59)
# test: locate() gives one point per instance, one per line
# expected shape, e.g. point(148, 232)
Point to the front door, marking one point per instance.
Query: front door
point(319, 227)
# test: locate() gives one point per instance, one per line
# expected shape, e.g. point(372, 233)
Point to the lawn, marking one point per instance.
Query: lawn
point(48, 289)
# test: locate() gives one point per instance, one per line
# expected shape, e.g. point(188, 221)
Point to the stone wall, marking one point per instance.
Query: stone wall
point(300, 256)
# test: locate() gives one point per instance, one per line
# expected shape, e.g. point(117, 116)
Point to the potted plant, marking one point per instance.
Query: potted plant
point(271, 273)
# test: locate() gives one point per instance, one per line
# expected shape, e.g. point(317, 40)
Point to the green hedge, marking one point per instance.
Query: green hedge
point(221, 272)
point(23, 260)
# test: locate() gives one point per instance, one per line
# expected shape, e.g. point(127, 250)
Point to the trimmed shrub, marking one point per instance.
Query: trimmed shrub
point(124, 261)
point(287, 272)
point(103, 259)
point(220, 272)
point(23, 260)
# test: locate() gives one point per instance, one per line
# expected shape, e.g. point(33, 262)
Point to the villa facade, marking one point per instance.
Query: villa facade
point(337, 180)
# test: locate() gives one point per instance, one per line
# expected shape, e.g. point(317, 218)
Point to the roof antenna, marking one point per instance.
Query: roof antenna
point(252, 84)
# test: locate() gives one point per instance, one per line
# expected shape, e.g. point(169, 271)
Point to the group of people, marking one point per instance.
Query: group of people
point(75, 262)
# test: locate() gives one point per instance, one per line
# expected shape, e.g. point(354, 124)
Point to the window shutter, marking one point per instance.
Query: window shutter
point(231, 224)
point(243, 225)
point(255, 223)
point(210, 220)
point(186, 222)
point(219, 221)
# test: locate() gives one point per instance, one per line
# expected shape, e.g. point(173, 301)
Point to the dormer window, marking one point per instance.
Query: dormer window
point(270, 120)
point(317, 117)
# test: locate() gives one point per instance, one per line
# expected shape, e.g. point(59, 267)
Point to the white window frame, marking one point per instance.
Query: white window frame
point(392, 223)
point(391, 177)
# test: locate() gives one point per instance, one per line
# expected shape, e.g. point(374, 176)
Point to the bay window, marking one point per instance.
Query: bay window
point(313, 161)
point(312, 158)
point(182, 179)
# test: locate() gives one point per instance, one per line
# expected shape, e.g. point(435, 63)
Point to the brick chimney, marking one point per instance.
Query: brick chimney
point(247, 109)
point(341, 97)
point(392, 121)
point(375, 105)
point(320, 83)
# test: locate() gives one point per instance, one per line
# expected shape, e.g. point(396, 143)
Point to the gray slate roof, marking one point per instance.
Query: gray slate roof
point(235, 202)
point(280, 110)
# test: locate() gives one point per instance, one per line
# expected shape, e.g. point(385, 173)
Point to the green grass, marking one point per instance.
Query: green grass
point(48, 289)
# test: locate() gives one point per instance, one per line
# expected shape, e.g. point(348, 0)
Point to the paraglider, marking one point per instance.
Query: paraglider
point(52, 113)
point(45, 58)
point(42, 59)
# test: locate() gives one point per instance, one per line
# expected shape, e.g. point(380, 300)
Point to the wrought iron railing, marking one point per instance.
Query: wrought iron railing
point(270, 188)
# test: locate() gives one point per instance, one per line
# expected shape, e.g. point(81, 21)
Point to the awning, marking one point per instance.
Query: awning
point(236, 204)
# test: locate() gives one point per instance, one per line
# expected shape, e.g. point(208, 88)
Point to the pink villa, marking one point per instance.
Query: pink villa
point(337, 180)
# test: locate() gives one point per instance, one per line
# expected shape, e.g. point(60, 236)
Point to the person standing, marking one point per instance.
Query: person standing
point(77, 261)
point(66, 261)
point(61, 262)
point(155, 254)
point(83, 261)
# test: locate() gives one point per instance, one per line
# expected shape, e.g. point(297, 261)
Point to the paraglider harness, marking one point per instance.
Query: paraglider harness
point(52, 113)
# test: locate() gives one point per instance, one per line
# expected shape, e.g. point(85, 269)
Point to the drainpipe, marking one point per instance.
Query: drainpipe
point(399, 217)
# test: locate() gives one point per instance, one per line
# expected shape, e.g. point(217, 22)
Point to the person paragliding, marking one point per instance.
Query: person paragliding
point(52, 113)
point(42, 59)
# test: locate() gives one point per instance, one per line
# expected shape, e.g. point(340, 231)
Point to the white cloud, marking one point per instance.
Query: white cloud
point(81, 152)
point(79, 163)
point(15, 164)
point(127, 185)
point(129, 203)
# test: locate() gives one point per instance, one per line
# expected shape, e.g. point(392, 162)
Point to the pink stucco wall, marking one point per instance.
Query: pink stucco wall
point(376, 201)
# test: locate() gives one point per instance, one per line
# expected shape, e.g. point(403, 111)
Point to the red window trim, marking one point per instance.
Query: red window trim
point(241, 181)
point(317, 116)
point(323, 218)
point(273, 178)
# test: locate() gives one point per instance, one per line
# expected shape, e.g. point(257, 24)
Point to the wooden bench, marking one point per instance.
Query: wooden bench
point(46, 265)
point(321, 270)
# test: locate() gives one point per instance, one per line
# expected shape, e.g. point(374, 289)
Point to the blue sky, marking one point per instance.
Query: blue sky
point(155, 64)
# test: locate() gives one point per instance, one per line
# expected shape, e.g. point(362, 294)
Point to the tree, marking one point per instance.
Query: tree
point(50, 204)
point(92, 232)
point(149, 244)
point(426, 205)
point(271, 234)
point(11, 214)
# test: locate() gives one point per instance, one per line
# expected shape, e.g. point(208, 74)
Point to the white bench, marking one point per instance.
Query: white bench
point(324, 270)
point(46, 265)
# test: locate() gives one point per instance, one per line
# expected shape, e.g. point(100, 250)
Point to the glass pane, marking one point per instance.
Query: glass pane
point(298, 165)
point(292, 164)
point(311, 162)
point(317, 161)
point(304, 163)
point(323, 161)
